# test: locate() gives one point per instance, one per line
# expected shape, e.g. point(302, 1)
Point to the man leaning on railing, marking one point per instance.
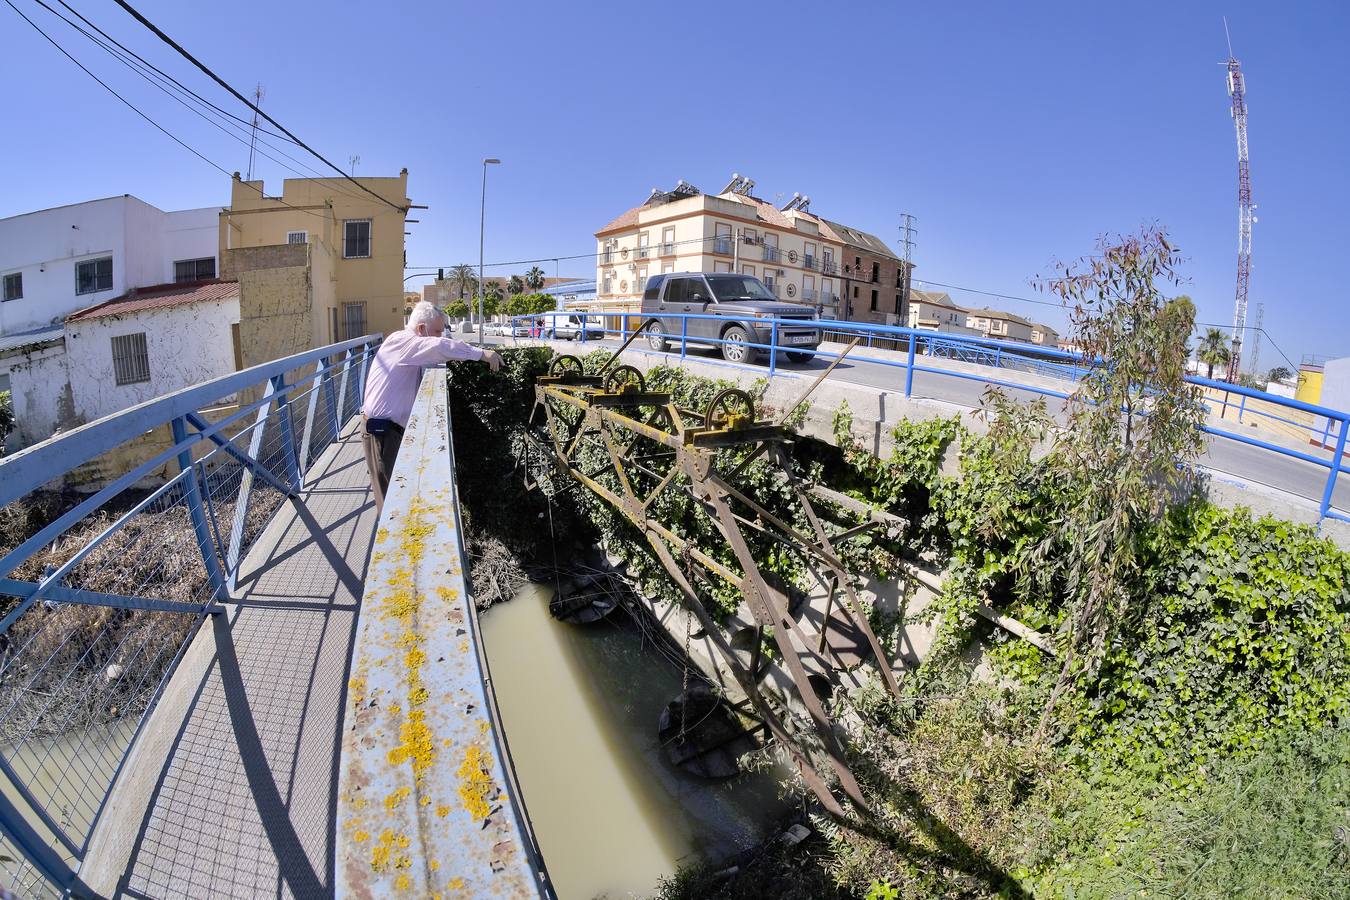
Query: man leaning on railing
point(391, 386)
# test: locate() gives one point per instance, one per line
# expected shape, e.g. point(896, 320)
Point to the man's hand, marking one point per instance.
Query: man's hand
point(493, 359)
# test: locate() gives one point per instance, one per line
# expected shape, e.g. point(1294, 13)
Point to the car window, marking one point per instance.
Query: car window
point(698, 291)
point(729, 287)
point(677, 290)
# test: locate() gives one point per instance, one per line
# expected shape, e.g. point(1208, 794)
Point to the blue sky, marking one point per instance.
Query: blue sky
point(1015, 133)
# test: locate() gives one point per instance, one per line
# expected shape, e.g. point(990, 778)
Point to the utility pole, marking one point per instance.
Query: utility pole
point(907, 242)
point(253, 138)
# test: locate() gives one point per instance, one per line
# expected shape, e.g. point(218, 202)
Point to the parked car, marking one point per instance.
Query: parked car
point(574, 328)
point(741, 304)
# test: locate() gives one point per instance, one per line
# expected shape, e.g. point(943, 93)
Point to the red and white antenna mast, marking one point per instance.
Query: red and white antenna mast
point(1237, 91)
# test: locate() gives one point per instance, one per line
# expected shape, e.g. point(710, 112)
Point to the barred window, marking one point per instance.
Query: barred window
point(93, 275)
point(14, 286)
point(297, 237)
point(131, 361)
point(356, 238)
point(194, 269)
point(353, 320)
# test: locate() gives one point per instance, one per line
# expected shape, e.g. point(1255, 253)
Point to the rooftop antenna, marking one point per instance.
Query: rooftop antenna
point(354, 160)
point(253, 138)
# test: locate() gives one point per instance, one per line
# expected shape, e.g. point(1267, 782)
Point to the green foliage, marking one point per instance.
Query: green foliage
point(1279, 373)
point(534, 279)
point(528, 304)
point(1271, 825)
point(515, 285)
point(1249, 639)
point(1213, 351)
point(456, 309)
point(6, 418)
point(464, 280)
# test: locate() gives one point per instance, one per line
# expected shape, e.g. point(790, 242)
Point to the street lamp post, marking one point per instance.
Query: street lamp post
point(482, 204)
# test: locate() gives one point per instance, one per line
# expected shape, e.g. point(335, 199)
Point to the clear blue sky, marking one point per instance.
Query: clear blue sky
point(1015, 133)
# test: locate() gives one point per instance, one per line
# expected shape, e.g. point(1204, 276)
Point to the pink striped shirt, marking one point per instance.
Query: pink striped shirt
point(396, 371)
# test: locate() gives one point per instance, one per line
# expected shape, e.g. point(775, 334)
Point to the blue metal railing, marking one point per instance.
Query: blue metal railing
point(1050, 363)
point(101, 603)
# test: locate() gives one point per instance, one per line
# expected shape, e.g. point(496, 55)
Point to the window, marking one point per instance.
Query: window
point(747, 270)
point(677, 290)
point(855, 292)
point(297, 237)
point(93, 275)
point(354, 319)
point(194, 269)
point(356, 239)
point(609, 283)
point(668, 241)
point(751, 236)
point(874, 301)
point(722, 238)
point(131, 362)
point(14, 286)
point(667, 268)
point(826, 287)
point(720, 266)
point(876, 273)
point(809, 256)
point(644, 242)
point(640, 284)
point(808, 287)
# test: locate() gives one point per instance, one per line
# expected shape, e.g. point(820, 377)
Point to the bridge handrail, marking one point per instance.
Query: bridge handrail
point(425, 773)
point(1063, 364)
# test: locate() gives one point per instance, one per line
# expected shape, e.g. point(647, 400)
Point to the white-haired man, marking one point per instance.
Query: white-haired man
point(391, 386)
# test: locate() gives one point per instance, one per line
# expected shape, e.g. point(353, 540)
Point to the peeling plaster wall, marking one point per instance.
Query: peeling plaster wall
point(40, 392)
point(185, 345)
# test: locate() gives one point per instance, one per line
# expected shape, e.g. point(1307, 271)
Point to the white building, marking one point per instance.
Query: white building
point(55, 261)
point(108, 357)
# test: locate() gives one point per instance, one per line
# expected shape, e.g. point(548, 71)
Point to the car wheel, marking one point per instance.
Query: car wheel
point(799, 356)
point(734, 345)
point(656, 338)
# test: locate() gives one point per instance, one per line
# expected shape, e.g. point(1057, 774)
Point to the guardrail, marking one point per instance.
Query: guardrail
point(428, 805)
point(916, 344)
point(101, 603)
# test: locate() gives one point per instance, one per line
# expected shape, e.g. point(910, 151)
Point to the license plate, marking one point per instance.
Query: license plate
point(800, 339)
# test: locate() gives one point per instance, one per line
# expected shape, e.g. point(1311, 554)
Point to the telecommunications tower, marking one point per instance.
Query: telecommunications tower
point(1236, 91)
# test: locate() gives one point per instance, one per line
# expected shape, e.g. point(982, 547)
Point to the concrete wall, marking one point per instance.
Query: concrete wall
point(46, 246)
point(277, 309)
point(1335, 393)
point(40, 393)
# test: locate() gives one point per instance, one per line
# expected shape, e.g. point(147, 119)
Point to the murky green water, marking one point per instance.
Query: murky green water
point(580, 706)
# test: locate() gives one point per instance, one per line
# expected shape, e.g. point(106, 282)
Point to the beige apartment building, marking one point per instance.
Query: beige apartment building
point(1044, 335)
point(321, 263)
point(796, 253)
point(935, 311)
point(995, 323)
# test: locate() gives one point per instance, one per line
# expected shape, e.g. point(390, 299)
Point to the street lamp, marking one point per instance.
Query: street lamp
point(482, 203)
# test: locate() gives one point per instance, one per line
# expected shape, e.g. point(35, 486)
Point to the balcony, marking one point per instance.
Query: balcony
point(722, 245)
point(809, 262)
point(810, 295)
point(667, 248)
point(829, 267)
point(607, 257)
point(771, 254)
point(644, 252)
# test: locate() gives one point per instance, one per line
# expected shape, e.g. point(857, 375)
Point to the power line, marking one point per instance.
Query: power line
point(161, 85)
point(223, 83)
point(173, 137)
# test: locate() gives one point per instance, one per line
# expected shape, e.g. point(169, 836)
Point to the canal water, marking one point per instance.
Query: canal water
point(579, 706)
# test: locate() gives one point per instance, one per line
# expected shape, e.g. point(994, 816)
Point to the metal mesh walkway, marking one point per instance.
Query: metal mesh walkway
point(233, 788)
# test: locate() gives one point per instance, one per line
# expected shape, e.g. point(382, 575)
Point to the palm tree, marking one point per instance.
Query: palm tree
point(516, 285)
point(462, 277)
point(534, 279)
point(1213, 350)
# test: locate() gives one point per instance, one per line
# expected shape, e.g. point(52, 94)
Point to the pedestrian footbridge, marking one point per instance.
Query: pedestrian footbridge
point(223, 676)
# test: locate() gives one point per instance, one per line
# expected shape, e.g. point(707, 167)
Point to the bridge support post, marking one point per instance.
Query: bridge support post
point(773, 348)
point(330, 398)
point(1336, 461)
point(196, 510)
point(909, 365)
point(287, 429)
point(310, 409)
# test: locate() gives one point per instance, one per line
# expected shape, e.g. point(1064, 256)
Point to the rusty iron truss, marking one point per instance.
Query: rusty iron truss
point(633, 447)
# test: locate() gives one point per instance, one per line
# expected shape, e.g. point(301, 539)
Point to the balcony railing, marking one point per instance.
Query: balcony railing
point(607, 256)
point(722, 245)
point(771, 254)
point(667, 248)
point(810, 295)
point(644, 252)
point(829, 267)
point(809, 262)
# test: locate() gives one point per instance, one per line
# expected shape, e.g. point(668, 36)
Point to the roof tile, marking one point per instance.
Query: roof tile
point(159, 296)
